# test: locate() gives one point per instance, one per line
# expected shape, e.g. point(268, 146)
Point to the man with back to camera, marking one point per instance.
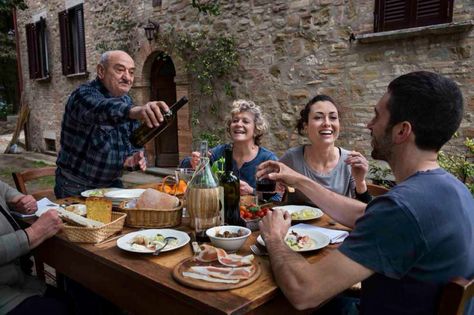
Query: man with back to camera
point(97, 123)
point(406, 244)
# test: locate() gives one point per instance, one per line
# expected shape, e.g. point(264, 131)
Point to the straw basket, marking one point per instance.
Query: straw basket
point(148, 218)
point(82, 234)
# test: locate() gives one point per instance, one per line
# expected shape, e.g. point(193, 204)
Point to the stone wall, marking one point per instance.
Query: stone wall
point(289, 51)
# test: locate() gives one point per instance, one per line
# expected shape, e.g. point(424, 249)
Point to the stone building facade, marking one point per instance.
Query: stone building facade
point(289, 50)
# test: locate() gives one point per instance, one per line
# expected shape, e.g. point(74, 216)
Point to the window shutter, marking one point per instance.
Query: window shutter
point(30, 43)
point(391, 15)
point(42, 48)
point(81, 49)
point(429, 12)
point(66, 56)
point(399, 14)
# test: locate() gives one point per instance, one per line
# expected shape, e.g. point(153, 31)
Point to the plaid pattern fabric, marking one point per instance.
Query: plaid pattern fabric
point(95, 135)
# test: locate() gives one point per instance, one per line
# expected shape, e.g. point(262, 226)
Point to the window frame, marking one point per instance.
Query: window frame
point(37, 48)
point(73, 44)
point(398, 20)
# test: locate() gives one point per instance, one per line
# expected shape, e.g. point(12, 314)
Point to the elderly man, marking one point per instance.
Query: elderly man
point(406, 244)
point(97, 123)
point(21, 293)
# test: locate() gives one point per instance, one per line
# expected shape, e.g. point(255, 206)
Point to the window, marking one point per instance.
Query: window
point(73, 44)
point(398, 14)
point(37, 49)
point(156, 3)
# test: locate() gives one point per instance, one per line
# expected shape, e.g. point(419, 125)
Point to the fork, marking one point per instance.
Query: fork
point(258, 251)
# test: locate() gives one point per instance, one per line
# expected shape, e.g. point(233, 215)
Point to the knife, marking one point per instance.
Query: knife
point(194, 245)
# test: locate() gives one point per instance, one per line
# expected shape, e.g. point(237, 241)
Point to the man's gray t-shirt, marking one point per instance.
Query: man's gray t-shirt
point(339, 179)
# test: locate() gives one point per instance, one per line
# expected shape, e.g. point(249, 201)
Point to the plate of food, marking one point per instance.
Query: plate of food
point(146, 241)
point(301, 240)
point(301, 213)
point(99, 192)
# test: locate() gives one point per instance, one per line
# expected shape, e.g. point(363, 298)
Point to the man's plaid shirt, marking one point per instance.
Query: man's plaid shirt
point(95, 135)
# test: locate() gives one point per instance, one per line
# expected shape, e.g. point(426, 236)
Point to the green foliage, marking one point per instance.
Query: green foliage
point(217, 167)
point(5, 110)
point(211, 138)
point(460, 165)
point(8, 5)
point(38, 164)
point(206, 59)
point(205, 7)
point(379, 174)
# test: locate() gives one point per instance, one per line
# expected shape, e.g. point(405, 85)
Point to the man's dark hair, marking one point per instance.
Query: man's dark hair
point(305, 111)
point(433, 105)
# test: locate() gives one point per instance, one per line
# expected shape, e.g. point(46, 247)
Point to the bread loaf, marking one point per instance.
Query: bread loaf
point(99, 209)
point(154, 199)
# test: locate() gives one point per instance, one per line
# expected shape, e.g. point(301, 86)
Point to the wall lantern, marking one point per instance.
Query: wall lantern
point(150, 29)
point(11, 34)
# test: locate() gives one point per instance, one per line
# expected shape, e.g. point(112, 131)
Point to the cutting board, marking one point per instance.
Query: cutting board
point(212, 286)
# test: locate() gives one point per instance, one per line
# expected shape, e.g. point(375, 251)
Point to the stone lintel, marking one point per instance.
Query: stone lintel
point(438, 29)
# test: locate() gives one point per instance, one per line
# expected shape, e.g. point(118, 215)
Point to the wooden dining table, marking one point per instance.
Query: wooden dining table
point(143, 283)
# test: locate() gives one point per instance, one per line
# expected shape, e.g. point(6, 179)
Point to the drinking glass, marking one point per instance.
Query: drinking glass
point(265, 189)
point(183, 175)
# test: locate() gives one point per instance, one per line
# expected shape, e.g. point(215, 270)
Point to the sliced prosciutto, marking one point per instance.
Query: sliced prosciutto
point(210, 253)
point(240, 273)
point(208, 278)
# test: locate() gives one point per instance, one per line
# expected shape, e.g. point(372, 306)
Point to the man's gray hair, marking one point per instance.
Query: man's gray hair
point(104, 58)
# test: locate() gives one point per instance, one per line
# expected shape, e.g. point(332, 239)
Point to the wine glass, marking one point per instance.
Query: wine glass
point(265, 189)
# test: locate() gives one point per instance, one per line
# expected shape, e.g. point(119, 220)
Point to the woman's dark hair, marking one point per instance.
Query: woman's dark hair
point(305, 111)
point(433, 105)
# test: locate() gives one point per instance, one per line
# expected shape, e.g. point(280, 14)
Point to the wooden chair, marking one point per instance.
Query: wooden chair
point(455, 296)
point(21, 178)
point(376, 190)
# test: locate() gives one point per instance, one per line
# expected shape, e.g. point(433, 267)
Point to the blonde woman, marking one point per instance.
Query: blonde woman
point(246, 127)
point(333, 167)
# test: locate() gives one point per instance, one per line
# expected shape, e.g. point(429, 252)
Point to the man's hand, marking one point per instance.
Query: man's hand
point(47, 225)
point(24, 204)
point(137, 159)
point(150, 113)
point(279, 172)
point(274, 226)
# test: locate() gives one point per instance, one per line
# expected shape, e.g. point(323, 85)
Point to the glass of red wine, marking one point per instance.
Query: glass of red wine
point(265, 189)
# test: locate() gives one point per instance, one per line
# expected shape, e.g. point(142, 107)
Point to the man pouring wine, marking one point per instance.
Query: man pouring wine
point(98, 120)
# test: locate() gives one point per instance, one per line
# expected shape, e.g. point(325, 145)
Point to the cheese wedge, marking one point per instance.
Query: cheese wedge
point(99, 209)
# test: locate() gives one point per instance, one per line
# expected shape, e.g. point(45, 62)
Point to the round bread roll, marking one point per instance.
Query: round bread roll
point(154, 199)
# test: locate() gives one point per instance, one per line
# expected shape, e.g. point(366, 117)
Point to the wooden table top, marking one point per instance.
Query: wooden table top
point(143, 284)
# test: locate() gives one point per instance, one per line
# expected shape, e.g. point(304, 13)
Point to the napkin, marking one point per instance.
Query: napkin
point(335, 236)
point(44, 205)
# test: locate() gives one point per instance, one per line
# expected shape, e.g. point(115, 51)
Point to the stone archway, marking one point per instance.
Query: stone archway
point(143, 92)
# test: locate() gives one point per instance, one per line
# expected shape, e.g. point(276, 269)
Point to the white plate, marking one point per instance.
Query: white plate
point(125, 241)
point(320, 240)
point(124, 194)
point(292, 209)
point(99, 192)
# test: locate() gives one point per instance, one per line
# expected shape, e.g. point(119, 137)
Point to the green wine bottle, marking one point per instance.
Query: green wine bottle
point(143, 134)
point(231, 185)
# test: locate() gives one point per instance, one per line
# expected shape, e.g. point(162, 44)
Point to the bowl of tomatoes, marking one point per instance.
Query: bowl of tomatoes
point(252, 214)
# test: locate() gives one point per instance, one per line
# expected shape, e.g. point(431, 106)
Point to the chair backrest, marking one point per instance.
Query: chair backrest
point(21, 178)
point(376, 190)
point(455, 296)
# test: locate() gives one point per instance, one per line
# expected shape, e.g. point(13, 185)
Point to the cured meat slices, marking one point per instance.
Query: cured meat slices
point(231, 268)
point(207, 278)
point(210, 253)
point(230, 273)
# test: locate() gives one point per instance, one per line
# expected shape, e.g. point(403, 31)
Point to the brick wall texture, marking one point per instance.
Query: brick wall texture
point(289, 51)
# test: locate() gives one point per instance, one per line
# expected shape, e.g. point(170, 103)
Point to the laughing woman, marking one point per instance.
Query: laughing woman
point(335, 168)
point(246, 127)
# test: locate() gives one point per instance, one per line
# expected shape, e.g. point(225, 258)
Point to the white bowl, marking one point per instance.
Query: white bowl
point(229, 244)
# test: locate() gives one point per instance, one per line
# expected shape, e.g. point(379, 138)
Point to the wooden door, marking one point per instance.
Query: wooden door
point(163, 88)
